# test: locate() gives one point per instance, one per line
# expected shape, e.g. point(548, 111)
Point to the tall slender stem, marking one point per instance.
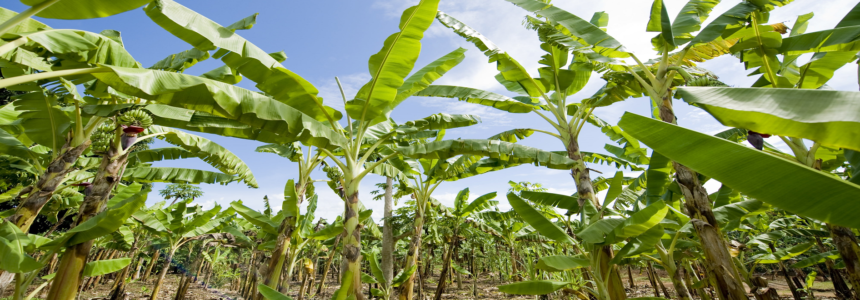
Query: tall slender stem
point(48, 75)
point(32, 11)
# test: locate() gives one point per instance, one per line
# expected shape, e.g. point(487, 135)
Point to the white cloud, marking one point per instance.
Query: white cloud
point(208, 204)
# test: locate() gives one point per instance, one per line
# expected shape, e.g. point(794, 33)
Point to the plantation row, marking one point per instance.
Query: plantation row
point(79, 114)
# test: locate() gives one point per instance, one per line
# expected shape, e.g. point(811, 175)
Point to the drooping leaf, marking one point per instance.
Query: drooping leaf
point(751, 172)
point(270, 293)
point(180, 61)
point(478, 97)
point(105, 266)
point(242, 56)
point(570, 203)
point(85, 9)
point(255, 217)
point(210, 152)
point(537, 220)
point(176, 175)
point(222, 100)
point(824, 116)
point(102, 224)
point(558, 263)
point(590, 34)
point(532, 287)
point(503, 151)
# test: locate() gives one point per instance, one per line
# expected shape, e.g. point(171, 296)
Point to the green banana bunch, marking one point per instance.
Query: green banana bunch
point(705, 81)
point(103, 136)
point(136, 117)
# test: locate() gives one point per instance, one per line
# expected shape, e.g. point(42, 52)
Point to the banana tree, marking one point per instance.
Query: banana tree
point(273, 237)
point(376, 277)
point(656, 81)
point(120, 208)
point(462, 209)
point(828, 55)
point(567, 66)
point(294, 194)
point(177, 225)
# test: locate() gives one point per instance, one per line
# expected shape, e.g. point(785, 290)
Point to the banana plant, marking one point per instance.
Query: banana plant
point(294, 194)
point(656, 78)
point(127, 201)
point(828, 54)
point(566, 68)
point(462, 209)
point(641, 229)
point(376, 277)
point(179, 224)
point(274, 238)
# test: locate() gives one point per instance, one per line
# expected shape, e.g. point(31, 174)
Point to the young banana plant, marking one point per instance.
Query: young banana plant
point(179, 224)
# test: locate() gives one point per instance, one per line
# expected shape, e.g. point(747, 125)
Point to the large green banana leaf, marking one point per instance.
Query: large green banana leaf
point(390, 66)
point(532, 287)
point(241, 55)
point(159, 154)
point(292, 151)
point(774, 180)
point(500, 150)
point(210, 152)
point(590, 34)
point(837, 39)
point(512, 75)
point(176, 175)
point(9, 145)
point(733, 18)
point(479, 204)
point(570, 203)
point(816, 259)
point(178, 62)
point(826, 116)
point(27, 25)
point(43, 119)
point(513, 135)
point(271, 294)
point(690, 19)
point(659, 22)
point(478, 97)
point(102, 224)
point(209, 227)
point(444, 121)
point(557, 263)
point(428, 74)
point(76, 48)
point(14, 248)
point(537, 220)
point(84, 9)
point(105, 266)
point(642, 221)
point(255, 217)
point(222, 100)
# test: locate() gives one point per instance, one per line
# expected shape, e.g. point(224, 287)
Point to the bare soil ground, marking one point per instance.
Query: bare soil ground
point(486, 289)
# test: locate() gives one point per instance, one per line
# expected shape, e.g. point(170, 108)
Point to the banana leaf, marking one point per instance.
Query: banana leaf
point(767, 178)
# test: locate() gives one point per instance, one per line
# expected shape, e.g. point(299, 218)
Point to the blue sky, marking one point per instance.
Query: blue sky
point(324, 39)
